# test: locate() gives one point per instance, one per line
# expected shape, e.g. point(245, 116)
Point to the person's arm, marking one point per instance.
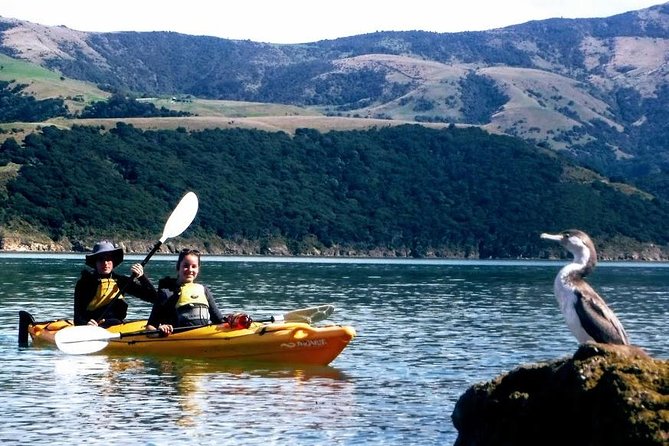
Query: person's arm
point(139, 286)
point(161, 313)
point(82, 297)
point(215, 313)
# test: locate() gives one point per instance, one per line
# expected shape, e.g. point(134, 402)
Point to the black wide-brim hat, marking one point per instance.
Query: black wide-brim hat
point(105, 247)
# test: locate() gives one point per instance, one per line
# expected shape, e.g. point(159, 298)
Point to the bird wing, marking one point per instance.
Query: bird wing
point(597, 318)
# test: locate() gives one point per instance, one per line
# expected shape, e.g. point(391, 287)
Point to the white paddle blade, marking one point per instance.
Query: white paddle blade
point(309, 315)
point(84, 348)
point(83, 339)
point(182, 216)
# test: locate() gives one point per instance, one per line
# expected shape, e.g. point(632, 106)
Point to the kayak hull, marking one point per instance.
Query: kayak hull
point(289, 342)
point(44, 333)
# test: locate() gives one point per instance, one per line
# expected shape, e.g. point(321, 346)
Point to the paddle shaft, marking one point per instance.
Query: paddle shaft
point(282, 317)
point(113, 335)
point(181, 329)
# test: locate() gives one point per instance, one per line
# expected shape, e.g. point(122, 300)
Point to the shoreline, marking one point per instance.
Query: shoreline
point(342, 259)
point(611, 250)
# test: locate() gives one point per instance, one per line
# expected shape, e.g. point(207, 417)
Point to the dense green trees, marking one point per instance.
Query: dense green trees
point(449, 191)
point(481, 98)
point(15, 106)
point(120, 106)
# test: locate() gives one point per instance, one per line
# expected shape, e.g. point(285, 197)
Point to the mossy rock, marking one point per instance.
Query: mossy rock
point(603, 395)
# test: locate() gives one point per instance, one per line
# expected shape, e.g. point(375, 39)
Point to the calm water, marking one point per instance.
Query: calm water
point(427, 330)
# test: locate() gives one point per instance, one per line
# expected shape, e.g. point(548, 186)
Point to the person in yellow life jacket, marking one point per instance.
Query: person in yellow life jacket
point(95, 301)
point(181, 301)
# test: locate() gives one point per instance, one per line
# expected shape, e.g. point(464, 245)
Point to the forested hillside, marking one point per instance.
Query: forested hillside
point(17, 106)
point(406, 190)
point(594, 89)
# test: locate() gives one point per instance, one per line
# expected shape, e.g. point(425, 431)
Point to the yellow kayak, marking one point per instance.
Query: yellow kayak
point(279, 342)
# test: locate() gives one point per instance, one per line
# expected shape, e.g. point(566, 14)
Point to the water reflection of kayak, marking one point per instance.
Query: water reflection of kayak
point(283, 342)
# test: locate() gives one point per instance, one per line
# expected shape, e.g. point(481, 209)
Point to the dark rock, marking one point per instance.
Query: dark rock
point(80, 246)
point(603, 395)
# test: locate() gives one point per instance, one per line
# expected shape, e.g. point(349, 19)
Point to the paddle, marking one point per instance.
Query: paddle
point(307, 315)
point(84, 339)
point(182, 216)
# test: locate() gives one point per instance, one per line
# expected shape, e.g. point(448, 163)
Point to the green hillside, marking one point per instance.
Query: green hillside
point(407, 190)
point(44, 83)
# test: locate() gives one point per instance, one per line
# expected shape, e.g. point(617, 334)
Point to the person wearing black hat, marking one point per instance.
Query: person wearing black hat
point(95, 294)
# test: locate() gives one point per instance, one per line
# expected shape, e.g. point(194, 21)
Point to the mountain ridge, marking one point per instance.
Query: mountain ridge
point(565, 78)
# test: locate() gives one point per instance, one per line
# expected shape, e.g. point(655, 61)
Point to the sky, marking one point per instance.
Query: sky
point(302, 21)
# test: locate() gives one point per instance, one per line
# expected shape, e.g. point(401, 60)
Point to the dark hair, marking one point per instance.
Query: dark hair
point(186, 252)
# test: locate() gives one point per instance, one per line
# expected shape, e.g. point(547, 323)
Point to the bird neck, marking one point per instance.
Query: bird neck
point(582, 265)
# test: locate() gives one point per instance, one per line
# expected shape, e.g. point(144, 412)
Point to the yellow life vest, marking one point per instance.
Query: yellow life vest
point(192, 293)
point(107, 289)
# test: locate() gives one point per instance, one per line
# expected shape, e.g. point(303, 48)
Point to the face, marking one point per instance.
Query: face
point(104, 264)
point(189, 268)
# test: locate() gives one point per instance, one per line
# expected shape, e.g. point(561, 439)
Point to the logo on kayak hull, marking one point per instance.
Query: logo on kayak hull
point(305, 344)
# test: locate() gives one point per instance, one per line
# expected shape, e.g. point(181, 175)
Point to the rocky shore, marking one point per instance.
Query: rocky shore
point(603, 395)
point(10, 242)
point(211, 246)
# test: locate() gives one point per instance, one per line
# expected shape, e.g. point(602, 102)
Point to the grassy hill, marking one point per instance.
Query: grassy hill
point(44, 83)
point(208, 113)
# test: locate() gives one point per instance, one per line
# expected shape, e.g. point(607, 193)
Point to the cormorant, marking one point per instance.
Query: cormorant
point(586, 313)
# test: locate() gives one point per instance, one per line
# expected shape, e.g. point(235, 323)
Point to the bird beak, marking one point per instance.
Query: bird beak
point(554, 237)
